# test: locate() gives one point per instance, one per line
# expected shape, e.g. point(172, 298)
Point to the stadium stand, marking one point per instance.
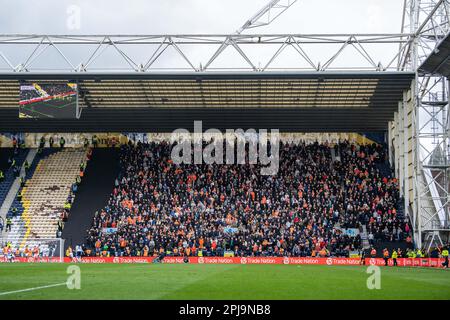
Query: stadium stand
point(305, 210)
point(44, 195)
point(17, 207)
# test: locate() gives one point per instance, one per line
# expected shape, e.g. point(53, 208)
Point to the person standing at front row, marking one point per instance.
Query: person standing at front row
point(445, 256)
point(386, 256)
point(394, 257)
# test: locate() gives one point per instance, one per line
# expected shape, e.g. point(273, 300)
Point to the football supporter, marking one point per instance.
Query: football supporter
point(373, 253)
point(386, 256)
point(203, 210)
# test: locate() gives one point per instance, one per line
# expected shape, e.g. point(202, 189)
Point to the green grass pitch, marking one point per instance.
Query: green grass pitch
point(171, 281)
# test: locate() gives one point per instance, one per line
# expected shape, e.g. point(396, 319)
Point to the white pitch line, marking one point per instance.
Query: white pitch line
point(32, 289)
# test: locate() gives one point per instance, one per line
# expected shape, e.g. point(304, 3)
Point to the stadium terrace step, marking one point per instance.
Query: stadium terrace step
point(18, 224)
point(47, 186)
point(335, 154)
point(92, 195)
point(401, 208)
point(364, 237)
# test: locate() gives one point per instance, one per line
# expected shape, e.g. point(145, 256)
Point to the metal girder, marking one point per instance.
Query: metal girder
point(262, 18)
point(428, 124)
point(80, 53)
point(267, 14)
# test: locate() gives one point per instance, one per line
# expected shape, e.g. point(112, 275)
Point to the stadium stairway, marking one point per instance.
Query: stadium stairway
point(401, 208)
point(92, 195)
point(385, 169)
point(364, 237)
point(333, 154)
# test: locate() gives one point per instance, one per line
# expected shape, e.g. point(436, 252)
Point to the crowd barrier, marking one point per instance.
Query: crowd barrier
point(402, 262)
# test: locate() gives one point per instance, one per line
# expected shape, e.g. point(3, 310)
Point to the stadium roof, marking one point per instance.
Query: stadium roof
point(290, 101)
point(438, 62)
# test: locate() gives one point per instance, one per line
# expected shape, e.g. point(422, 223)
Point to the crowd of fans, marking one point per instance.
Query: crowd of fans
point(29, 95)
point(158, 207)
point(50, 88)
point(56, 88)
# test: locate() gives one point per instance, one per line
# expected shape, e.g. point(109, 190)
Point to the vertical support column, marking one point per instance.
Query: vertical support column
point(406, 148)
point(447, 159)
point(405, 159)
point(61, 250)
point(396, 144)
point(414, 13)
point(390, 142)
point(416, 163)
point(401, 151)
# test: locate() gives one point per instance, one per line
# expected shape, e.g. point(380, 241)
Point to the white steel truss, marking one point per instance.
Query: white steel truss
point(427, 125)
point(156, 47)
point(267, 14)
point(80, 53)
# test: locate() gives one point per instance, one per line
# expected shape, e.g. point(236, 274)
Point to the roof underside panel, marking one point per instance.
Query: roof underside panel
point(291, 102)
point(169, 119)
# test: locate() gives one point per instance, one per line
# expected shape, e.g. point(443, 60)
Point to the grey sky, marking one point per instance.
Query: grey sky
point(198, 17)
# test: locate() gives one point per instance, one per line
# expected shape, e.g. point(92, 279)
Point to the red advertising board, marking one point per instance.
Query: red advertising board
point(402, 262)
